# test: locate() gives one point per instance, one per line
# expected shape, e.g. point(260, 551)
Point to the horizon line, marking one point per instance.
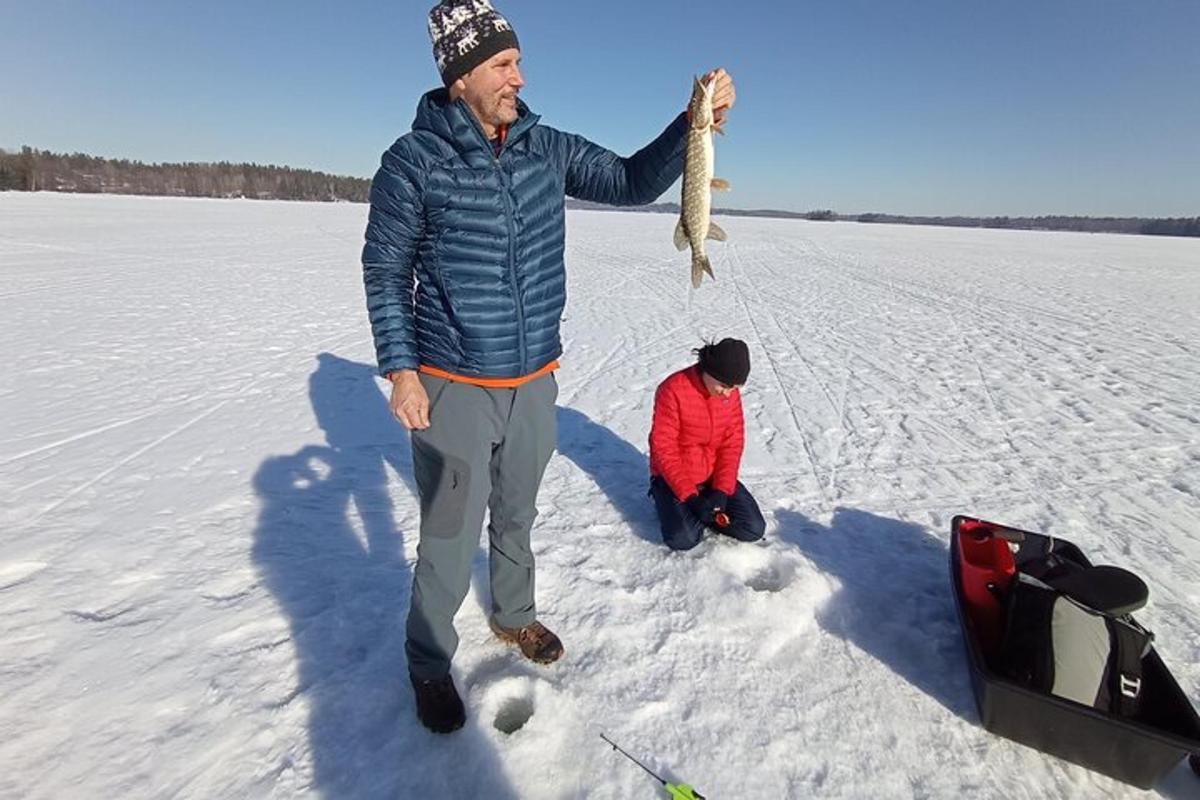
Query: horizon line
point(757, 211)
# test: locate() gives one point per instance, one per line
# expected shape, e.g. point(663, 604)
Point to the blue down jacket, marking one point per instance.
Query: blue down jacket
point(483, 236)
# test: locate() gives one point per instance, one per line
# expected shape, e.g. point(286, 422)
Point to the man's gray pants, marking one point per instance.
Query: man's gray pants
point(485, 449)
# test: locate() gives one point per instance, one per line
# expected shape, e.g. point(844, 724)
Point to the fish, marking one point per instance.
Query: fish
point(695, 224)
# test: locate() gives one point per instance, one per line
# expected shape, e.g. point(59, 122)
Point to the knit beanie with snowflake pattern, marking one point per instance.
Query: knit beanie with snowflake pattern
point(465, 34)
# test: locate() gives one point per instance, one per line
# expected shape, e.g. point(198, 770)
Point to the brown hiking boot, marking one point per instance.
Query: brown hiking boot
point(536, 641)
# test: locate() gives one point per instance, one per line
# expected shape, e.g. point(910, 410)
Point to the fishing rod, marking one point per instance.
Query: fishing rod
point(677, 791)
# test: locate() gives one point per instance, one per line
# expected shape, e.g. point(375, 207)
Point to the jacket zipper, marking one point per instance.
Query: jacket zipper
point(512, 266)
point(512, 234)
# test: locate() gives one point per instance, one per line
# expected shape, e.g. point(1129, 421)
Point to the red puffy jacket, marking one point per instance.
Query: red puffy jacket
point(696, 437)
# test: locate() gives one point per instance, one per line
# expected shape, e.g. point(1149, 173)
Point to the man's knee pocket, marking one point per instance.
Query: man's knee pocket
point(444, 485)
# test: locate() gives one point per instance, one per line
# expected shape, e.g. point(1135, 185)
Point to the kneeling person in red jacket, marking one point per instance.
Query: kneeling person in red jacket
point(696, 444)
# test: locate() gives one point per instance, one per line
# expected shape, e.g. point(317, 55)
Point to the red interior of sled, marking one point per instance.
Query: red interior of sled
point(987, 568)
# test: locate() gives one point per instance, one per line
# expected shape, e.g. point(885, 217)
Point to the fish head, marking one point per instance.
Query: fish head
point(701, 105)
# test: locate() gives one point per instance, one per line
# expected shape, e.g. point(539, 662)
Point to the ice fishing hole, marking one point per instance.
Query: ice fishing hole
point(513, 714)
point(771, 579)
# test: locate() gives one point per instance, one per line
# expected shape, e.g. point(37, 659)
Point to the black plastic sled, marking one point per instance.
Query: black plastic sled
point(1138, 748)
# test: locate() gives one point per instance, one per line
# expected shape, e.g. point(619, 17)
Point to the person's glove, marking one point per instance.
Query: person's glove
point(709, 507)
point(700, 507)
point(716, 501)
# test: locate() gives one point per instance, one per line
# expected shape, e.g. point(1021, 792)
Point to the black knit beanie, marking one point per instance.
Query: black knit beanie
point(728, 361)
point(465, 34)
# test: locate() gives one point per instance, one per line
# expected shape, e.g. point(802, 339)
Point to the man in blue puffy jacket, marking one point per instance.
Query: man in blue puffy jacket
point(465, 284)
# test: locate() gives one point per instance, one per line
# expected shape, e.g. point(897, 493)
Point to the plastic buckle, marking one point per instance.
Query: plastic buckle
point(1131, 688)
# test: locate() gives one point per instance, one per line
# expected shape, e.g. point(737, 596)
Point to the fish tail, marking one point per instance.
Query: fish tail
point(700, 265)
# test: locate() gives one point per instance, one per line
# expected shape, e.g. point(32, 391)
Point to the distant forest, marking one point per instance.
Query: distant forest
point(1181, 226)
point(40, 170)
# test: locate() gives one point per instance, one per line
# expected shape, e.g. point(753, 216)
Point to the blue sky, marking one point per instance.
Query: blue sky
point(906, 106)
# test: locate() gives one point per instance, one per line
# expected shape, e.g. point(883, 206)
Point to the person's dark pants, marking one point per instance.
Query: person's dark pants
point(681, 530)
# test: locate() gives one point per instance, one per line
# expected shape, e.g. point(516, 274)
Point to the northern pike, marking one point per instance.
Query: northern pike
point(695, 224)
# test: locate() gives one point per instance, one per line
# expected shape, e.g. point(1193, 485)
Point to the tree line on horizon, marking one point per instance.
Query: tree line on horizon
point(42, 170)
point(33, 170)
point(1179, 226)
point(1148, 226)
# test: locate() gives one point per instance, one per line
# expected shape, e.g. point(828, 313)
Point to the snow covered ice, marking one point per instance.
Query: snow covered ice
point(209, 522)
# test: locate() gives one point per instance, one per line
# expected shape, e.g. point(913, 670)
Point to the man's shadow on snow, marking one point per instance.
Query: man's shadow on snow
point(894, 602)
point(346, 596)
point(618, 468)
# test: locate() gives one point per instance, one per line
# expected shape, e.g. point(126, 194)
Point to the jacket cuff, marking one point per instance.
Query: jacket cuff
point(387, 368)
